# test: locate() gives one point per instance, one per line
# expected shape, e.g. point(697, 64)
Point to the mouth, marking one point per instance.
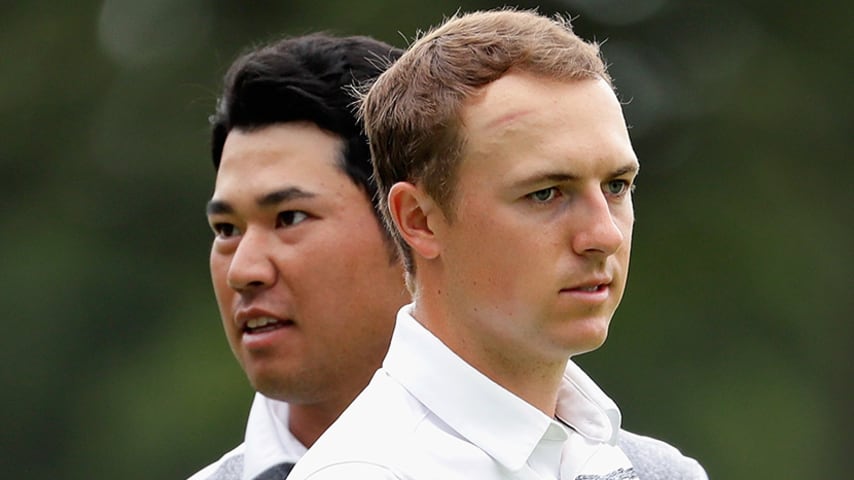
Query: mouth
point(264, 324)
point(590, 289)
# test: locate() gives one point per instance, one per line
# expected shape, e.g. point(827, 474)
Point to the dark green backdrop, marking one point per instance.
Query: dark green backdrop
point(732, 342)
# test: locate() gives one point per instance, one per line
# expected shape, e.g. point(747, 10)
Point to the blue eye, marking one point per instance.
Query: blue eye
point(617, 187)
point(290, 218)
point(545, 195)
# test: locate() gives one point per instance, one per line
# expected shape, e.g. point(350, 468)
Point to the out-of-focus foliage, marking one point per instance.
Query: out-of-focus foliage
point(733, 338)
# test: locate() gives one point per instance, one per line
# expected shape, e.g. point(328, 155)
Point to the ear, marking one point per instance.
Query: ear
point(411, 209)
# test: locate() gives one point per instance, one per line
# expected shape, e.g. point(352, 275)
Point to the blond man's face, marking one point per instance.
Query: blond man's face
point(537, 255)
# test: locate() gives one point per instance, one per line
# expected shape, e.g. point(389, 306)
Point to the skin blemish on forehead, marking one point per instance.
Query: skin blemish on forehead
point(506, 120)
point(492, 129)
point(507, 109)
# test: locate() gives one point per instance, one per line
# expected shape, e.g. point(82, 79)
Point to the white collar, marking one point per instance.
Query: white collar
point(268, 440)
point(582, 405)
point(509, 429)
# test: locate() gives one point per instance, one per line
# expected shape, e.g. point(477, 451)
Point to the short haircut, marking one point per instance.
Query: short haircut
point(308, 78)
point(412, 112)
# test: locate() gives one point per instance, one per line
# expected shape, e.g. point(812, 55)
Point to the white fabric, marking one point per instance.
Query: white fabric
point(427, 414)
point(268, 442)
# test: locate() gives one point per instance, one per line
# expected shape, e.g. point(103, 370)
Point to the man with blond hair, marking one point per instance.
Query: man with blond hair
point(505, 172)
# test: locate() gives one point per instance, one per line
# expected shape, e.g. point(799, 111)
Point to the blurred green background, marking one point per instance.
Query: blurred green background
point(734, 336)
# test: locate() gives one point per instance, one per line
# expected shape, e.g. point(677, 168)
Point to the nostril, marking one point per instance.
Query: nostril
point(246, 286)
point(251, 267)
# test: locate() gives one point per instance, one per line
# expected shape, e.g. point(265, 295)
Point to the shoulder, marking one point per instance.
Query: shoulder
point(228, 467)
point(656, 460)
point(384, 409)
point(371, 439)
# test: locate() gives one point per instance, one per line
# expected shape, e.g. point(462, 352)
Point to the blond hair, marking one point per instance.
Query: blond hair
point(412, 111)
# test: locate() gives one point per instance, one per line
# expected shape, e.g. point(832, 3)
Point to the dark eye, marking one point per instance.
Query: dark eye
point(290, 218)
point(225, 230)
point(545, 195)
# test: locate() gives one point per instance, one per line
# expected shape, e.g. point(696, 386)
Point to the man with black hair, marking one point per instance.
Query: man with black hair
point(306, 278)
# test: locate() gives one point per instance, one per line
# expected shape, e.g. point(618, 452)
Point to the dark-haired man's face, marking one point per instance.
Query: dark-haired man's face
point(300, 267)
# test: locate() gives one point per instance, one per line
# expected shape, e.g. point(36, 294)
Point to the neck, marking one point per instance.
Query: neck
point(307, 422)
point(532, 377)
point(534, 382)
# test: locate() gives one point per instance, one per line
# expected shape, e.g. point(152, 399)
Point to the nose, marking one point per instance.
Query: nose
point(598, 231)
point(252, 265)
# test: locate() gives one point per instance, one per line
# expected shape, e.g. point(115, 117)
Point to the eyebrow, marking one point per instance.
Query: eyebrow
point(633, 167)
point(560, 177)
point(219, 207)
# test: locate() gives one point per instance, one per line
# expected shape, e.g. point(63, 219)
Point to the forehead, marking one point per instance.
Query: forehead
point(523, 121)
point(520, 99)
point(296, 153)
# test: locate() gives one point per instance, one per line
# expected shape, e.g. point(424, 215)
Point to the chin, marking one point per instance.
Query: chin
point(272, 388)
point(289, 388)
point(267, 381)
point(590, 337)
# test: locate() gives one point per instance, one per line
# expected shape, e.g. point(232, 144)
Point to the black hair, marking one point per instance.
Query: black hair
point(307, 78)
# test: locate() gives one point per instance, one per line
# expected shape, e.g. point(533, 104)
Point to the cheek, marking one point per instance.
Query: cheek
point(627, 220)
point(215, 262)
point(628, 230)
point(334, 263)
point(219, 277)
point(488, 261)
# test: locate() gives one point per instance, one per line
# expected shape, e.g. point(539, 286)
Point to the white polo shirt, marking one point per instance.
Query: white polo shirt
point(268, 442)
point(427, 414)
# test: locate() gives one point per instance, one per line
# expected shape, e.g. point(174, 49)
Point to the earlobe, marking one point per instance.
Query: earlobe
point(410, 209)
